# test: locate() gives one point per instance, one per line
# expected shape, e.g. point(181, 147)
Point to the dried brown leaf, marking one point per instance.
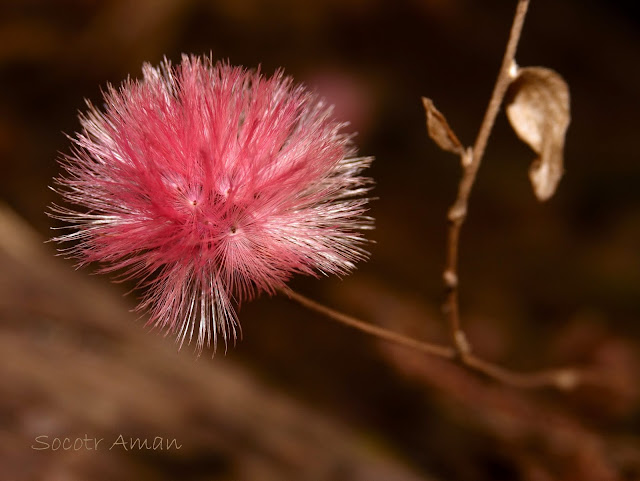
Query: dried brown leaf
point(439, 129)
point(538, 109)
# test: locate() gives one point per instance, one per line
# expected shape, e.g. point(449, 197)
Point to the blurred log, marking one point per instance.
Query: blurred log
point(74, 364)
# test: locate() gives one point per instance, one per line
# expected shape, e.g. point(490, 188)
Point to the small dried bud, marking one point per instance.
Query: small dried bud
point(567, 380)
point(450, 279)
point(439, 129)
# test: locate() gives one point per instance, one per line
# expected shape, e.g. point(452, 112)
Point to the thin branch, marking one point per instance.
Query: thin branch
point(471, 162)
point(561, 379)
point(444, 352)
point(564, 379)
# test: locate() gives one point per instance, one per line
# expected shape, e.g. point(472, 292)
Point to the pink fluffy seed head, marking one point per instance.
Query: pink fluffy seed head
point(209, 184)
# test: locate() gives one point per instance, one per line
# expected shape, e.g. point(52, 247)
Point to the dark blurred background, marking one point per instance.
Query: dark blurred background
point(301, 398)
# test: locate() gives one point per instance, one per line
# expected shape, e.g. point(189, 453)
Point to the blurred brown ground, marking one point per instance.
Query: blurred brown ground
point(299, 397)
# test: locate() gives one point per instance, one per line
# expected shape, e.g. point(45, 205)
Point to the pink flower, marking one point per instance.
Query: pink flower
point(209, 184)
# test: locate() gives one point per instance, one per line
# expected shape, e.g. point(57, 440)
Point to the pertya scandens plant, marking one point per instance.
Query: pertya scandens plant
point(208, 184)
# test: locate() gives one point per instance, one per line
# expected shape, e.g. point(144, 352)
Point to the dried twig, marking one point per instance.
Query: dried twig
point(470, 163)
point(564, 379)
point(437, 350)
point(439, 130)
point(470, 160)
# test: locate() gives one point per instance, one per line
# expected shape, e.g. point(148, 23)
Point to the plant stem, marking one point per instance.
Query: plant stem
point(444, 352)
point(561, 379)
point(471, 162)
point(564, 379)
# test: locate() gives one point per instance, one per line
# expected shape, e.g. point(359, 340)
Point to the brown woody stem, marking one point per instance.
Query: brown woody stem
point(458, 212)
point(381, 333)
point(562, 379)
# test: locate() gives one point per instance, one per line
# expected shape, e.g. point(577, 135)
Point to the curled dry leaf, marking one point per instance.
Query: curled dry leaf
point(439, 129)
point(538, 109)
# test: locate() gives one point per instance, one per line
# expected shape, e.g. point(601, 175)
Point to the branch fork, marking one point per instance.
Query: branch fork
point(545, 88)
